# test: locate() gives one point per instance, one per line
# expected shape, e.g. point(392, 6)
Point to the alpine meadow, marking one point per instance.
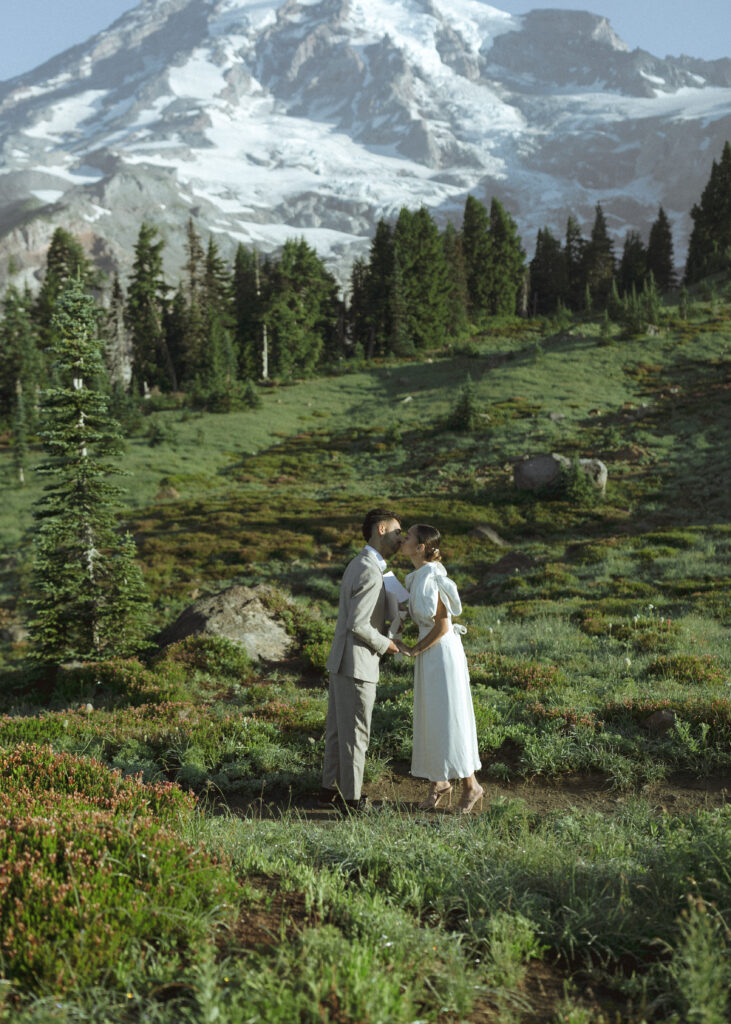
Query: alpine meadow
point(186, 458)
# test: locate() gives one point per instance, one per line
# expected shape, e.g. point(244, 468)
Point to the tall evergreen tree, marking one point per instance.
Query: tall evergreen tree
point(118, 349)
point(548, 275)
point(152, 365)
point(632, 271)
point(302, 310)
point(457, 299)
point(476, 251)
point(379, 297)
point(20, 359)
point(574, 250)
point(422, 279)
point(599, 261)
point(88, 599)
point(248, 305)
point(506, 262)
point(709, 250)
point(660, 253)
point(65, 261)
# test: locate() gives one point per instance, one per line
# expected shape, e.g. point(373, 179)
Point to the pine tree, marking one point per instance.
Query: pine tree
point(574, 250)
point(506, 262)
point(88, 599)
point(476, 251)
point(20, 359)
point(152, 365)
point(548, 275)
point(118, 348)
point(65, 261)
point(379, 294)
point(709, 250)
point(248, 306)
point(422, 279)
point(302, 311)
point(633, 265)
point(457, 300)
point(599, 261)
point(660, 253)
point(465, 414)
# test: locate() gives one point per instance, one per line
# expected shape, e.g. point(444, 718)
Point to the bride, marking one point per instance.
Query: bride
point(445, 737)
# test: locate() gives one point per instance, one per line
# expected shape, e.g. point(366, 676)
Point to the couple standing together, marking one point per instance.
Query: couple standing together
point(445, 738)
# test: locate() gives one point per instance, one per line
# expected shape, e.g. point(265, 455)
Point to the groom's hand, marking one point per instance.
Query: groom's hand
point(393, 648)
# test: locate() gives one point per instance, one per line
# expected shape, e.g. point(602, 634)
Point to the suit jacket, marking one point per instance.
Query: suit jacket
point(360, 639)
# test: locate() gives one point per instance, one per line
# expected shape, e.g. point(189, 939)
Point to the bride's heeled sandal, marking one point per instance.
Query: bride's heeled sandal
point(468, 800)
point(435, 795)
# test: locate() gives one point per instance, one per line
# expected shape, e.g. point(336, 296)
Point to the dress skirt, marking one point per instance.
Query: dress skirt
point(445, 735)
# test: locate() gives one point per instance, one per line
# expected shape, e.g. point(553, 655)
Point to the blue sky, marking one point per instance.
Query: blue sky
point(35, 30)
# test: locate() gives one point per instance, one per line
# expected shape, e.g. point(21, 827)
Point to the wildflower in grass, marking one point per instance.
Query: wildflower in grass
point(627, 662)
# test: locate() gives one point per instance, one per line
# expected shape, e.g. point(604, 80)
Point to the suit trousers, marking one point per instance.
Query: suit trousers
point(347, 733)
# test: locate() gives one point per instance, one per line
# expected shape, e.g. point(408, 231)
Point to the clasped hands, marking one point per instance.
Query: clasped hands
point(403, 648)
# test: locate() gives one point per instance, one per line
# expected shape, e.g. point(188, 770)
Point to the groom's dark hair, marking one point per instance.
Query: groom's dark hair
point(376, 516)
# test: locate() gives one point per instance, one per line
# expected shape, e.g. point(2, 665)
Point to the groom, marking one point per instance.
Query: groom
point(359, 643)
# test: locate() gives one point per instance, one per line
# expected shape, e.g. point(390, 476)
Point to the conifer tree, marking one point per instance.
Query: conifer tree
point(457, 300)
point(118, 349)
point(465, 414)
point(548, 275)
point(65, 261)
point(633, 265)
point(302, 310)
point(709, 250)
point(599, 261)
point(660, 253)
point(248, 303)
point(379, 294)
point(423, 279)
point(152, 365)
point(20, 360)
point(506, 262)
point(574, 250)
point(476, 251)
point(88, 599)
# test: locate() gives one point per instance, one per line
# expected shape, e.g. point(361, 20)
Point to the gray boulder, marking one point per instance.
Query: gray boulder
point(240, 615)
point(660, 722)
point(536, 473)
point(543, 472)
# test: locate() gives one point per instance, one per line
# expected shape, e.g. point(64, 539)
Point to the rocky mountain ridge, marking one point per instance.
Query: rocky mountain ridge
point(264, 119)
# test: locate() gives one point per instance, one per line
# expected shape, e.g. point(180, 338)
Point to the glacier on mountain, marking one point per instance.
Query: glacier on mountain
point(263, 120)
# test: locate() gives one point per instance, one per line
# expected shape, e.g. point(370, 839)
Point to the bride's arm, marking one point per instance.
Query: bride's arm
point(439, 629)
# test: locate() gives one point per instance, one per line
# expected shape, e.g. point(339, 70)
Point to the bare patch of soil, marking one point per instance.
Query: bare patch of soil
point(274, 918)
point(677, 795)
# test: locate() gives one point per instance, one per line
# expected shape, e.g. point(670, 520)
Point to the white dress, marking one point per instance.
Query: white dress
point(445, 736)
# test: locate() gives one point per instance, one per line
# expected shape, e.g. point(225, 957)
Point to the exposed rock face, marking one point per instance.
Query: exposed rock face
point(249, 115)
point(594, 470)
point(237, 613)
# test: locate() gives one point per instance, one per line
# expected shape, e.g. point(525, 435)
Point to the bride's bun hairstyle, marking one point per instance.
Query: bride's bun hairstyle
point(429, 536)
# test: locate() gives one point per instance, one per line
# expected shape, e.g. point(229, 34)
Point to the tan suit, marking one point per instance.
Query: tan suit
point(353, 664)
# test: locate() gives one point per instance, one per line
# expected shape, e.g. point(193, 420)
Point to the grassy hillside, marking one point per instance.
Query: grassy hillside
point(594, 887)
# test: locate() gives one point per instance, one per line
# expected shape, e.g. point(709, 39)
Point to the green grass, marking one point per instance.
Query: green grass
point(618, 608)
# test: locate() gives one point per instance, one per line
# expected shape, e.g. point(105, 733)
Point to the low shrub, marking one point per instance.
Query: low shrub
point(216, 655)
point(698, 669)
point(90, 879)
point(499, 670)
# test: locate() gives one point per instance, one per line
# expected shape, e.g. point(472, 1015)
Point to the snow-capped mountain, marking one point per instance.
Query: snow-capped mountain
point(264, 119)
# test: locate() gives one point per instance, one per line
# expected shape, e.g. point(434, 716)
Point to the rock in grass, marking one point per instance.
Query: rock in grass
point(240, 615)
point(659, 722)
point(516, 560)
point(545, 472)
point(485, 532)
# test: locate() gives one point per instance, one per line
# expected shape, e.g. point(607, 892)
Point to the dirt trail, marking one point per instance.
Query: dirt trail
point(680, 794)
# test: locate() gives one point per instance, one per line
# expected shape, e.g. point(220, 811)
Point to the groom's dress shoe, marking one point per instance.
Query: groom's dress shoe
point(328, 797)
point(355, 806)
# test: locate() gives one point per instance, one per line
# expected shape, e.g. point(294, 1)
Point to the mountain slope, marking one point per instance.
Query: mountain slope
point(264, 119)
